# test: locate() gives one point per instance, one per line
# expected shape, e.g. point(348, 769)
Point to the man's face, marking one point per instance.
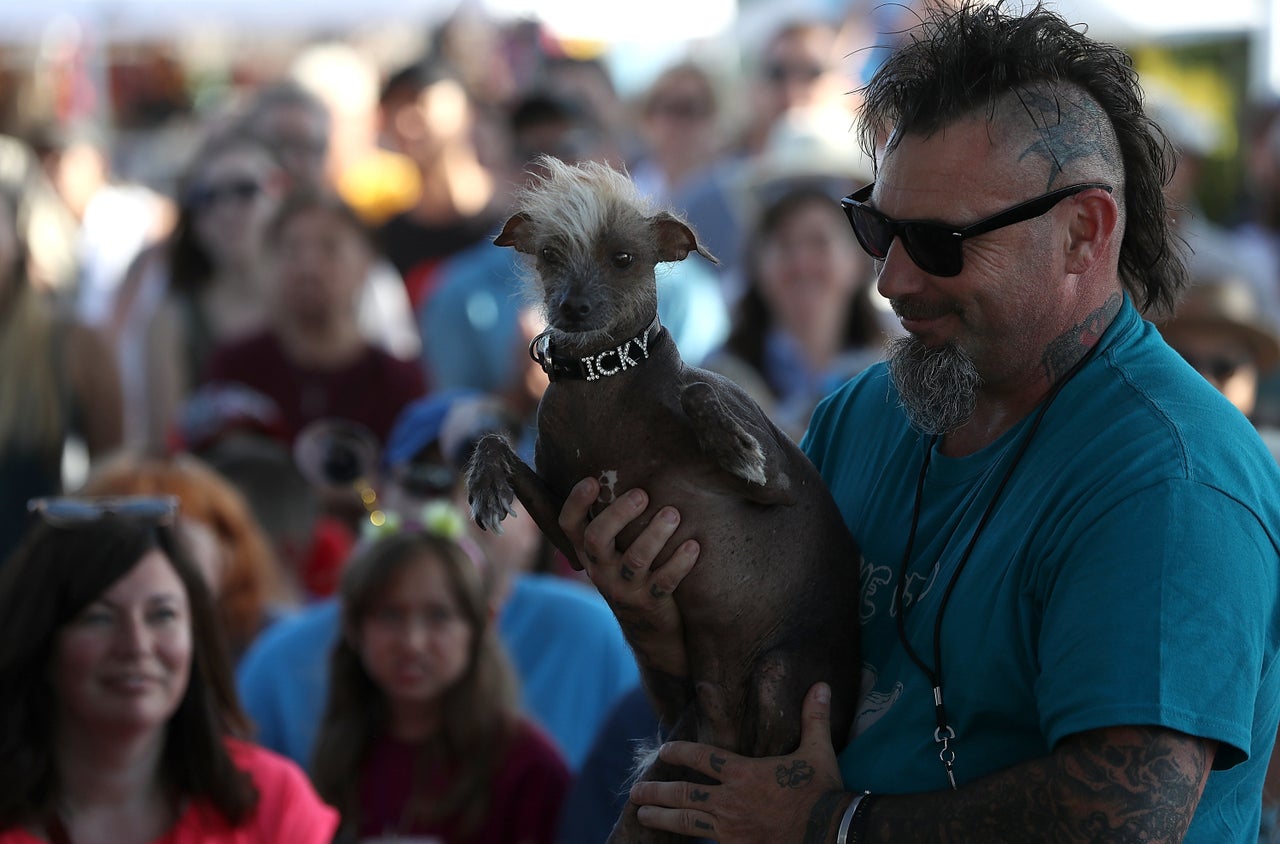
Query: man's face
point(1004, 306)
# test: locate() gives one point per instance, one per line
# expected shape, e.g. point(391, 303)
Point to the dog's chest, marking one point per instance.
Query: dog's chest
point(623, 438)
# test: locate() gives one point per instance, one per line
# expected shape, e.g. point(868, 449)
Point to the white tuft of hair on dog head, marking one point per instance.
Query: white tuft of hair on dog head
point(583, 200)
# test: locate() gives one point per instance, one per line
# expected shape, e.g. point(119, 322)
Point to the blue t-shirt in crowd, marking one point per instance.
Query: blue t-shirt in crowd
point(565, 644)
point(1128, 576)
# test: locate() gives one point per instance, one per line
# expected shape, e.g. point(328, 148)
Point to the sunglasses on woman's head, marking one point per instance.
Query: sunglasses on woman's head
point(69, 511)
point(937, 248)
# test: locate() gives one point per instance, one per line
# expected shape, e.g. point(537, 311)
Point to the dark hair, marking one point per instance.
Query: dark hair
point(305, 199)
point(190, 267)
point(47, 582)
point(479, 711)
point(753, 317)
point(958, 61)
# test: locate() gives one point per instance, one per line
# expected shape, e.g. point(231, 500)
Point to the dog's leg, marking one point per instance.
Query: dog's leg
point(496, 476)
point(724, 438)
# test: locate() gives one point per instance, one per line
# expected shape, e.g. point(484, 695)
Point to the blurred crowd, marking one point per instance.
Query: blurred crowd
point(300, 338)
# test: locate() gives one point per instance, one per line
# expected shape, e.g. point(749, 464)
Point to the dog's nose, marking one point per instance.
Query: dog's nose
point(575, 307)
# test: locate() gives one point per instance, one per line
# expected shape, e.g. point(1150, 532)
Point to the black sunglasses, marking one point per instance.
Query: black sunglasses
point(936, 248)
point(70, 511)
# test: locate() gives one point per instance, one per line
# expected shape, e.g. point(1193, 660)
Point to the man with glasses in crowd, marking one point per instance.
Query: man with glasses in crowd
point(1069, 538)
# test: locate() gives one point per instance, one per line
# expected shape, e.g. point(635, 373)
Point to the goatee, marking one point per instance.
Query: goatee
point(937, 387)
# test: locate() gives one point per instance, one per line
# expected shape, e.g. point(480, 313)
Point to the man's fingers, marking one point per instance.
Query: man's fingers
point(577, 507)
point(672, 795)
point(603, 530)
point(703, 758)
point(690, 822)
point(641, 554)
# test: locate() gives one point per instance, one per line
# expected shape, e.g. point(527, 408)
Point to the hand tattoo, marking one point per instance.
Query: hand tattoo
point(800, 773)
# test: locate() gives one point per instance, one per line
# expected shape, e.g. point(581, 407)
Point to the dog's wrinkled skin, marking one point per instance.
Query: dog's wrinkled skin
point(771, 606)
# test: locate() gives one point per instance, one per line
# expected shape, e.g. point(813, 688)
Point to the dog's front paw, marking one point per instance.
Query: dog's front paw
point(489, 489)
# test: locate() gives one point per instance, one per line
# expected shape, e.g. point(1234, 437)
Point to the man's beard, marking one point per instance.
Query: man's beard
point(938, 387)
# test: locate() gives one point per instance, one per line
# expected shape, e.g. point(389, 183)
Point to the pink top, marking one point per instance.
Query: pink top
point(288, 808)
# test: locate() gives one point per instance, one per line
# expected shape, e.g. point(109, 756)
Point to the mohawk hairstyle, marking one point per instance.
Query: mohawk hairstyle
point(958, 61)
point(582, 199)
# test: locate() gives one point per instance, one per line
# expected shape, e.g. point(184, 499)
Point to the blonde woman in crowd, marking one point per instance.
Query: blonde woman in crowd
point(57, 377)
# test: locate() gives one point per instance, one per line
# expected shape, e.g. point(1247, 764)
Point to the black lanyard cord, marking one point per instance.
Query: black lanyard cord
point(934, 673)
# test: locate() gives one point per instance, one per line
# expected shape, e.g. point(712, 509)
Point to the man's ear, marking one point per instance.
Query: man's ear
point(1090, 229)
point(510, 234)
point(676, 240)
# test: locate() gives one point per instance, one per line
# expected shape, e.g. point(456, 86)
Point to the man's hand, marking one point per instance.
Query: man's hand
point(639, 594)
point(794, 799)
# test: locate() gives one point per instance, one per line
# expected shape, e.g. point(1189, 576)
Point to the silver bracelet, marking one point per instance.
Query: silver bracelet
point(842, 834)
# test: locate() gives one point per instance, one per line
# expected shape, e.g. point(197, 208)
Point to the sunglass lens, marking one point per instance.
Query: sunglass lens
point(873, 233)
point(934, 249)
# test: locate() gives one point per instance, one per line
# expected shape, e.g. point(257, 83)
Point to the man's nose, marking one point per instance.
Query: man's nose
point(897, 275)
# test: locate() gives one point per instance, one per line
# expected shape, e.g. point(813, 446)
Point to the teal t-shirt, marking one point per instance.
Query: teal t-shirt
point(1128, 574)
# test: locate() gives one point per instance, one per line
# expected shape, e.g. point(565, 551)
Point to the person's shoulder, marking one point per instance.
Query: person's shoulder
point(286, 798)
point(304, 630)
point(267, 767)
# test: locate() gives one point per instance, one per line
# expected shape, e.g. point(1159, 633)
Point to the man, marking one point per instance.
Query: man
point(1069, 538)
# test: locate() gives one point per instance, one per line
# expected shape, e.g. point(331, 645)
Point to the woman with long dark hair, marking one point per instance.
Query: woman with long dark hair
point(118, 715)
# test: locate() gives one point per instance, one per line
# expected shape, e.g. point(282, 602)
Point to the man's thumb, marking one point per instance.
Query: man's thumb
point(815, 721)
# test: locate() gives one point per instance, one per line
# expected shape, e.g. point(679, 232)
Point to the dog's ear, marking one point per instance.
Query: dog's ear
point(676, 240)
point(510, 234)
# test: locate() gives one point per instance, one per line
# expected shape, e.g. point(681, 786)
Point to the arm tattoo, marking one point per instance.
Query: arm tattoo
point(1063, 351)
point(798, 774)
point(1114, 786)
point(820, 817)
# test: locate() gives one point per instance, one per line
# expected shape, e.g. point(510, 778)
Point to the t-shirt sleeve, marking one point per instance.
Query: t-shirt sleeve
point(288, 807)
point(1133, 636)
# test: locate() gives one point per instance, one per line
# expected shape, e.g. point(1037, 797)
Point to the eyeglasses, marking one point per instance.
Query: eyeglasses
point(1214, 367)
point(68, 511)
point(206, 196)
point(936, 248)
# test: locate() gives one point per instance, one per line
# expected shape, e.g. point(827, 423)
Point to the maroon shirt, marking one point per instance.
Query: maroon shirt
point(524, 801)
point(371, 391)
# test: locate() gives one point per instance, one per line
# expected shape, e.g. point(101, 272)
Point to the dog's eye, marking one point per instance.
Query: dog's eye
point(622, 260)
point(550, 255)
